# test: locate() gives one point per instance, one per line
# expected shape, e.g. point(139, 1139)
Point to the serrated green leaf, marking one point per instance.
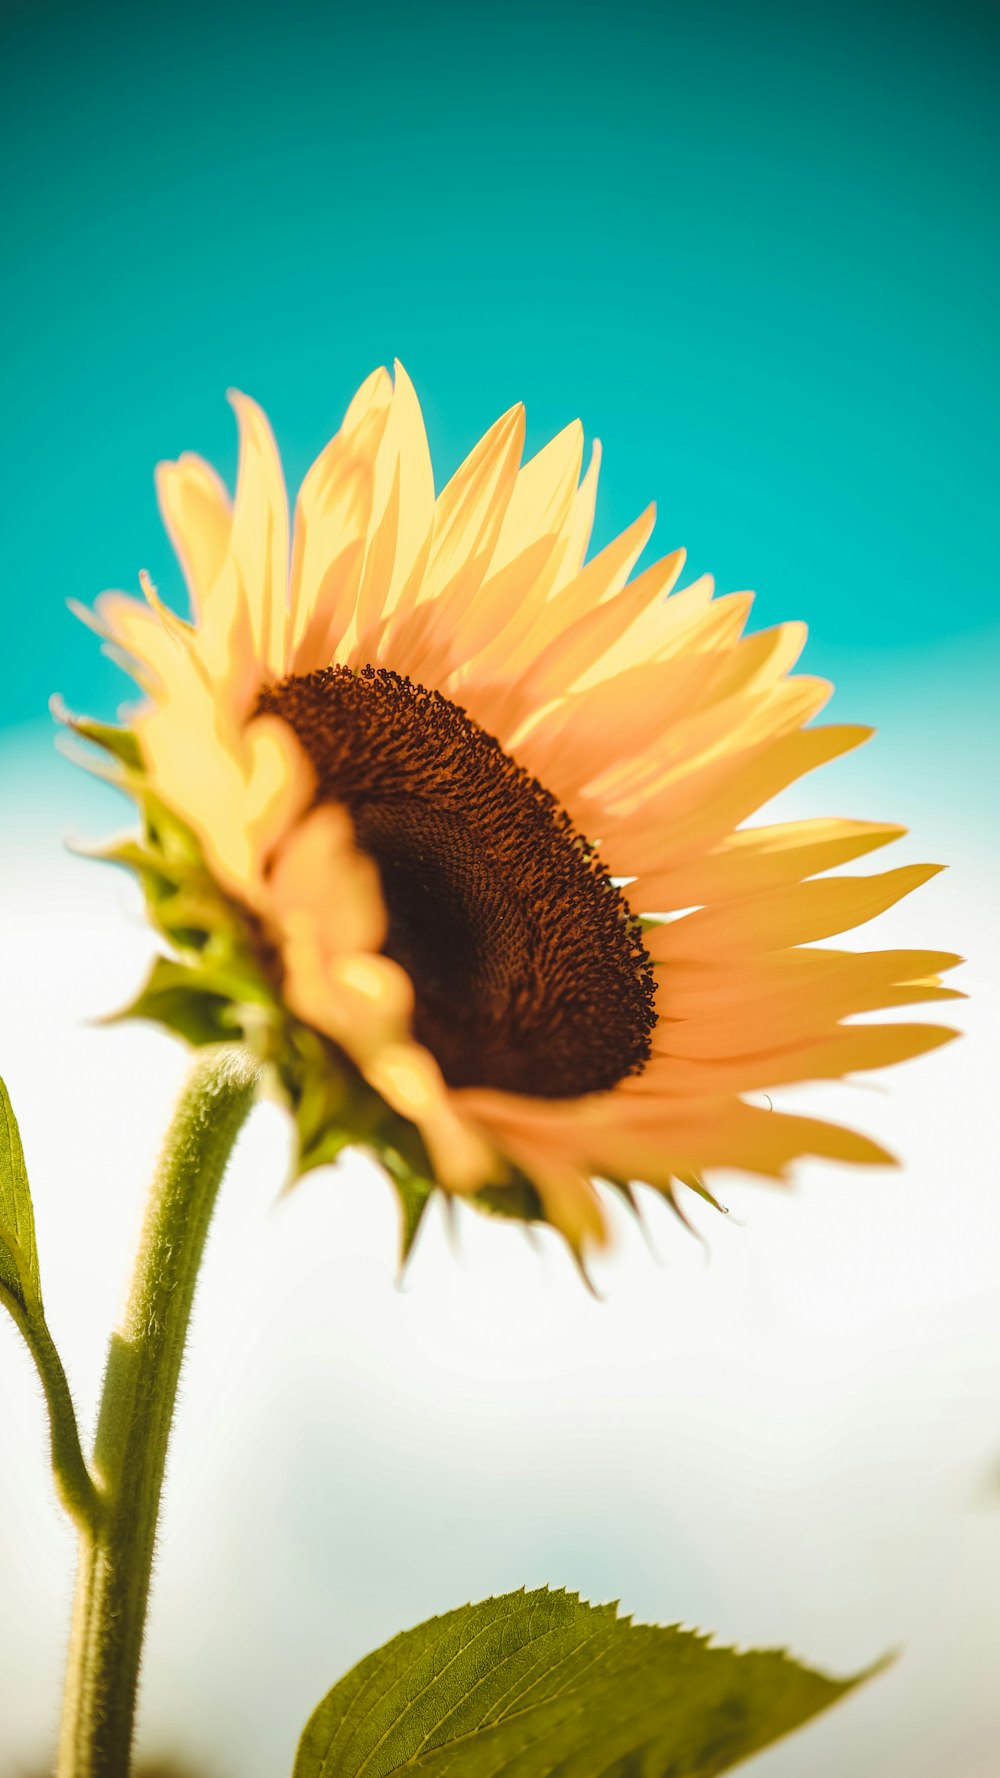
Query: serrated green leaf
point(19, 1274)
point(534, 1683)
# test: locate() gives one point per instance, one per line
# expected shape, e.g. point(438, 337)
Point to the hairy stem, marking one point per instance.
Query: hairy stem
point(74, 1482)
point(137, 1407)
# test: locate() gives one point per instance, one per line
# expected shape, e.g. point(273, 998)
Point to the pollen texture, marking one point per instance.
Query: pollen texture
point(527, 965)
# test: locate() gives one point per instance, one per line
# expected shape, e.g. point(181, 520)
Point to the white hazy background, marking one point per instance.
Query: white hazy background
point(792, 1438)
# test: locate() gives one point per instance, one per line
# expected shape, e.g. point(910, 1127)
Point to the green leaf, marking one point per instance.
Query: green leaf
point(21, 1294)
point(534, 1683)
point(19, 1274)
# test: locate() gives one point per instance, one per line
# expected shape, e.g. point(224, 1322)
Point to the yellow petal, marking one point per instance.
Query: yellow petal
point(717, 985)
point(462, 676)
point(400, 530)
point(728, 1133)
point(662, 629)
point(580, 522)
point(156, 650)
point(279, 783)
point(408, 1078)
point(332, 517)
point(542, 495)
point(600, 580)
point(793, 914)
point(226, 647)
point(362, 1000)
point(757, 858)
point(850, 1049)
point(552, 608)
point(786, 997)
point(698, 808)
point(355, 649)
point(569, 1199)
point(197, 514)
point(259, 542)
point(468, 518)
point(373, 397)
point(763, 658)
point(517, 586)
point(641, 707)
point(568, 656)
point(320, 873)
point(418, 476)
point(470, 511)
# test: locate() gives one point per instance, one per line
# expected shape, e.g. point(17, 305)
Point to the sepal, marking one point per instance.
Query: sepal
point(120, 742)
point(183, 1001)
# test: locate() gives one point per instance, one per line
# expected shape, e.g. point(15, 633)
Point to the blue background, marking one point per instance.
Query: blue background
point(753, 248)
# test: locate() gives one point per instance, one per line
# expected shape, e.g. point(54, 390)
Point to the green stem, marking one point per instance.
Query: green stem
point(74, 1482)
point(137, 1407)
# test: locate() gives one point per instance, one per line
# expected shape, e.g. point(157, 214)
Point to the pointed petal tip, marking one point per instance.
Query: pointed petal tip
point(246, 409)
point(939, 1035)
point(85, 614)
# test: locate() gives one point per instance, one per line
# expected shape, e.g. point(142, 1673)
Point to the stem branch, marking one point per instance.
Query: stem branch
point(74, 1483)
point(137, 1407)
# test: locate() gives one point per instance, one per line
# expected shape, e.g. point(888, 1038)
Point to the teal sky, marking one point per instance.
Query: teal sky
point(753, 248)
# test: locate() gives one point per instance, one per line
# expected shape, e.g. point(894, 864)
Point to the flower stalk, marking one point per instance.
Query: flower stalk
point(137, 1408)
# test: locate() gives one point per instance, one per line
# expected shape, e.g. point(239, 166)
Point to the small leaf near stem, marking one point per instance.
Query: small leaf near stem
point(19, 1274)
point(21, 1294)
point(541, 1682)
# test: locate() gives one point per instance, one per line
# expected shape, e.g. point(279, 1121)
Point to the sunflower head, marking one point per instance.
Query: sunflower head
point(447, 822)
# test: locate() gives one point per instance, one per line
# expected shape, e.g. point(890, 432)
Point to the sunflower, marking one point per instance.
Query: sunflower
point(446, 820)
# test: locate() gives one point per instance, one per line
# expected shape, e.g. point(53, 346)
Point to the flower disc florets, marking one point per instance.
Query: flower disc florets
point(528, 968)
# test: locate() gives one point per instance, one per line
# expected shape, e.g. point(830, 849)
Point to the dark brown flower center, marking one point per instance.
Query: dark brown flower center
point(528, 968)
